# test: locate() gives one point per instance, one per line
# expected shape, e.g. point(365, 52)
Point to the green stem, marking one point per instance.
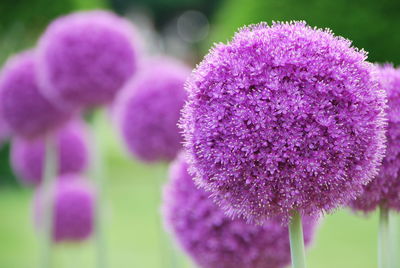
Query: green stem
point(97, 175)
point(297, 241)
point(384, 239)
point(394, 235)
point(49, 173)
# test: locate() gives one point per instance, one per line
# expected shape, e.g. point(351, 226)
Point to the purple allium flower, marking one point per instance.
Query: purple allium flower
point(148, 110)
point(384, 189)
point(284, 117)
point(86, 57)
point(25, 110)
point(27, 155)
point(73, 212)
point(213, 239)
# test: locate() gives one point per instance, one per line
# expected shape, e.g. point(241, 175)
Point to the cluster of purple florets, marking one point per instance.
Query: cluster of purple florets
point(73, 209)
point(384, 189)
point(284, 117)
point(24, 109)
point(213, 239)
point(71, 142)
point(148, 110)
point(86, 58)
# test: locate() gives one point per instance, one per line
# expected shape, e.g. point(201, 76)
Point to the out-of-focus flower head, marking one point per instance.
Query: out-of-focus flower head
point(25, 110)
point(213, 239)
point(86, 57)
point(72, 148)
point(384, 189)
point(73, 212)
point(148, 110)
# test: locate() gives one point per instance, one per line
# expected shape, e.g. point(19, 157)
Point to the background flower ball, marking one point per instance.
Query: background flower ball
point(284, 117)
point(213, 239)
point(148, 110)
point(86, 57)
point(73, 210)
point(27, 155)
point(25, 110)
point(384, 189)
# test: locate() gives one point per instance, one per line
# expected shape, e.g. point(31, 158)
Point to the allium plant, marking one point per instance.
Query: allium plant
point(73, 210)
point(214, 240)
point(86, 57)
point(284, 120)
point(25, 110)
point(383, 191)
point(148, 110)
point(27, 155)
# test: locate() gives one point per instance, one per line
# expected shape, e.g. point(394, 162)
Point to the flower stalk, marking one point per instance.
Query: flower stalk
point(297, 241)
point(384, 238)
point(50, 172)
point(96, 173)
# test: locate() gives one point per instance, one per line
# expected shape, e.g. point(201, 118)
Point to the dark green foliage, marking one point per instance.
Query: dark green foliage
point(6, 176)
point(22, 21)
point(372, 25)
point(165, 10)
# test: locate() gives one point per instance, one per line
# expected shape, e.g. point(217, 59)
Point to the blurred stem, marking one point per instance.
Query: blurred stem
point(297, 241)
point(98, 176)
point(394, 236)
point(384, 238)
point(49, 173)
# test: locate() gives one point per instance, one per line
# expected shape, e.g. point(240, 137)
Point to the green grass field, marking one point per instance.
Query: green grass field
point(133, 224)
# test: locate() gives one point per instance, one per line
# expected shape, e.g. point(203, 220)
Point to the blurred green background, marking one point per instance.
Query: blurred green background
point(133, 224)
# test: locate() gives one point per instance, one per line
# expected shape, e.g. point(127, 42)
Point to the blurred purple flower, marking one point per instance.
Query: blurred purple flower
point(214, 240)
point(27, 155)
point(73, 209)
point(26, 112)
point(86, 57)
point(384, 189)
point(284, 117)
point(148, 110)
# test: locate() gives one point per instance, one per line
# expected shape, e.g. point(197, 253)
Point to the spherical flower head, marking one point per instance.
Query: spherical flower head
point(27, 155)
point(85, 58)
point(213, 239)
point(25, 110)
point(284, 117)
point(384, 189)
point(148, 110)
point(73, 212)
